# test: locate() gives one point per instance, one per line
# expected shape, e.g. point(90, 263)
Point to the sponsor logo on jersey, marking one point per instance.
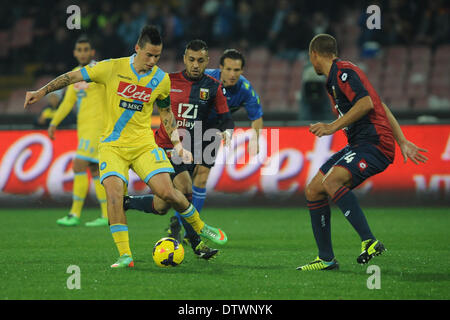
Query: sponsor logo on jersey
point(344, 76)
point(134, 106)
point(362, 165)
point(133, 91)
point(187, 113)
point(204, 93)
point(183, 123)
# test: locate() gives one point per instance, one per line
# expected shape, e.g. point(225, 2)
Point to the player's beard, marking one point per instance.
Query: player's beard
point(195, 78)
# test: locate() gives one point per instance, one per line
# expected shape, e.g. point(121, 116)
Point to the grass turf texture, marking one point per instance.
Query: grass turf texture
point(258, 262)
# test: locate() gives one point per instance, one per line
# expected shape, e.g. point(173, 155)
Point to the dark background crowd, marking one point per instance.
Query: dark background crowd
point(36, 44)
point(284, 26)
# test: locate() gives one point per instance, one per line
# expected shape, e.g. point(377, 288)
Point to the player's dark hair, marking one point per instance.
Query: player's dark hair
point(84, 39)
point(232, 54)
point(197, 45)
point(149, 34)
point(324, 44)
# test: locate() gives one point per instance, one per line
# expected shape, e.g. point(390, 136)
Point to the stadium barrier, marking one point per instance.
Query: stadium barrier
point(37, 171)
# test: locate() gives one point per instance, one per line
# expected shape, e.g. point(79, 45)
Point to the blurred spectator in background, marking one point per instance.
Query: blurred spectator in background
point(283, 7)
point(398, 23)
point(107, 17)
point(204, 24)
point(320, 24)
point(314, 101)
point(88, 21)
point(259, 27)
point(172, 28)
point(154, 16)
point(109, 44)
point(223, 24)
point(434, 29)
point(294, 36)
point(58, 57)
point(132, 23)
point(46, 115)
point(243, 26)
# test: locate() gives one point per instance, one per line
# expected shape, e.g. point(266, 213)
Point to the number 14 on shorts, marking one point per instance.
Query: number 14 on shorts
point(348, 157)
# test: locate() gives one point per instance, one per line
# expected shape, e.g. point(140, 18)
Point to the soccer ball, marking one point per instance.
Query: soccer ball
point(168, 252)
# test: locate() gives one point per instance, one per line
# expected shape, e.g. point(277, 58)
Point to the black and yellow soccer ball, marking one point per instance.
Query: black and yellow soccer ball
point(168, 252)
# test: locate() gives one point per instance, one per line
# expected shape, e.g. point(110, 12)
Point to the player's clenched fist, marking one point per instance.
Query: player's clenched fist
point(321, 129)
point(32, 97)
point(185, 155)
point(226, 137)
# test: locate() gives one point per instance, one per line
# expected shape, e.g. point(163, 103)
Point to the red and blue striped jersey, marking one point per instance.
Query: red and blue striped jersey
point(346, 84)
point(192, 103)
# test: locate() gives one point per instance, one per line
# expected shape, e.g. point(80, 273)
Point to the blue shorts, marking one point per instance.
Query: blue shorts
point(362, 161)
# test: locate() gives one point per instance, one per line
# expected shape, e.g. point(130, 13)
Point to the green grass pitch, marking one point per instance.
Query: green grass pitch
point(258, 262)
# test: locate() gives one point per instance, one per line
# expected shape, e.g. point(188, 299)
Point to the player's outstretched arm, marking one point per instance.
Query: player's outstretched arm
point(58, 83)
point(408, 149)
point(257, 126)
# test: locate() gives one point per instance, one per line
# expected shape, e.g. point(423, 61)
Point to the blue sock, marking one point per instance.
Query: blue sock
point(346, 200)
point(320, 220)
point(198, 197)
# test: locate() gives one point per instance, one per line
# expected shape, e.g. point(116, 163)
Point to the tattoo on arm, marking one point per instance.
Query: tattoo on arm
point(169, 123)
point(58, 83)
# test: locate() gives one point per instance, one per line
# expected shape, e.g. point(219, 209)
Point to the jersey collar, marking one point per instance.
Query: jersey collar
point(332, 71)
point(139, 76)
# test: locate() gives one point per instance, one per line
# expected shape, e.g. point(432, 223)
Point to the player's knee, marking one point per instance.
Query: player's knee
point(200, 182)
point(114, 197)
point(201, 177)
point(168, 195)
point(114, 194)
point(79, 165)
point(313, 192)
point(310, 193)
point(93, 167)
point(331, 185)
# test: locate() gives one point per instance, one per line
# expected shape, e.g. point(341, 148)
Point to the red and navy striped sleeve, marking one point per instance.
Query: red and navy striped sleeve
point(351, 85)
